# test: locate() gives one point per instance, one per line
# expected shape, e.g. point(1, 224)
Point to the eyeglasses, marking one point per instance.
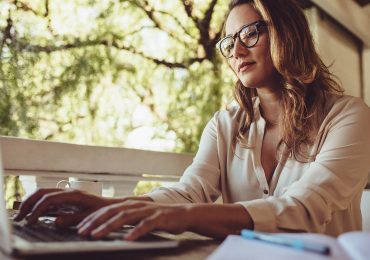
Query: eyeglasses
point(248, 36)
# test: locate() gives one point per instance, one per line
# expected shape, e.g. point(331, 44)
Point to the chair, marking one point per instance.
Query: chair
point(365, 208)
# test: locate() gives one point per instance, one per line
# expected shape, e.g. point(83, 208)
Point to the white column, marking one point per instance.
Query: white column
point(29, 184)
point(122, 188)
point(47, 182)
point(339, 49)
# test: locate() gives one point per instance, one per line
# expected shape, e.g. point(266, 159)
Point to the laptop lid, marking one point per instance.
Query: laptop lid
point(5, 232)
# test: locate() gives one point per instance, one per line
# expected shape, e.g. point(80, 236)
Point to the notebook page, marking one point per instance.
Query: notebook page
point(236, 247)
point(357, 244)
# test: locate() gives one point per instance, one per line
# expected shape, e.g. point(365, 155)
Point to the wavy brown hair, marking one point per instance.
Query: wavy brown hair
point(305, 80)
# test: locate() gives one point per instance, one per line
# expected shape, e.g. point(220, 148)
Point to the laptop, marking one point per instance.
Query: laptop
point(43, 238)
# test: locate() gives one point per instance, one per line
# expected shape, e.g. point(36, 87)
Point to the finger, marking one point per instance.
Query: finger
point(127, 217)
point(54, 199)
point(147, 225)
point(70, 220)
point(119, 207)
point(88, 218)
point(96, 214)
point(112, 224)
point(97, 219)
point(29, 203)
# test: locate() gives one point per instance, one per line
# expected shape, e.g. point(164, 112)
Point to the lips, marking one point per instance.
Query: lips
point(245, 65)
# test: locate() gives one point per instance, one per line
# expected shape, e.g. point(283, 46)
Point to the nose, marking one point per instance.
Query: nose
point(239, 50)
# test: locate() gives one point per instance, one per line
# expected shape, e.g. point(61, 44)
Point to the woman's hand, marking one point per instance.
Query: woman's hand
point(212, 220)
point(44, 201)
point(147, 216)
point(97, 216)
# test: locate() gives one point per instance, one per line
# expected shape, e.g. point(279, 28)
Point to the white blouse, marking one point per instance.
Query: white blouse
point(319, 196)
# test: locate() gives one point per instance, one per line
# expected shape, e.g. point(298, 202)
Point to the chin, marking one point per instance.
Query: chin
point(249, 82)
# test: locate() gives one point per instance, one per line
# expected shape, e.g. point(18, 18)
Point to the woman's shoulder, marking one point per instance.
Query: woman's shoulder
point(348, 104)
point(231, 114)
point(344, 109)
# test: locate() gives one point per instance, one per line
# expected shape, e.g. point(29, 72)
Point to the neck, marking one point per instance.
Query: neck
point(270, 104)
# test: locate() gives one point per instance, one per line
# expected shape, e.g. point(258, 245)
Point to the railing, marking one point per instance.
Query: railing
point(118, 168)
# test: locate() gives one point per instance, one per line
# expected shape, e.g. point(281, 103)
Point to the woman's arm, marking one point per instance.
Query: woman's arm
point(326, 196)
point(119, 200)
point(81, 204)
point(218, 220)
point(214, 220)
point(200, 182)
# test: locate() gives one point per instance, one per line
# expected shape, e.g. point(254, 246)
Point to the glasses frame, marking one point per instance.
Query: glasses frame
point(256, 24)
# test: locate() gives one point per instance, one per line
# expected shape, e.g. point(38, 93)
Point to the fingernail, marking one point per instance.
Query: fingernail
point(59, 221)
point(96, 231)
point(80, 225)
point(81, 231)
point(29, 219)
point(128, 237)
point(94, 234)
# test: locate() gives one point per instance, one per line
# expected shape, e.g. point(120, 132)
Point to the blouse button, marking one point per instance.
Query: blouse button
point(265, 191)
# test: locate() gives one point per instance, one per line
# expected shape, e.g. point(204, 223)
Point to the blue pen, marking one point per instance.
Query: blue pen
point(285, 241)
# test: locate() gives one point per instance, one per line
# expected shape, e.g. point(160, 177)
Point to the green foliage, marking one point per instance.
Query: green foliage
point(77, 71)
point(144, 187)
point(134, 73)
point(13, 190)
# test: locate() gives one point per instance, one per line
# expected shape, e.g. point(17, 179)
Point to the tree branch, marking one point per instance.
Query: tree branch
point(204, 29)
point(25, 7)
point(150, 13)
point(177, 22)
point(115, 44)
point(217, 35)
point(7, 35)
point(188, 6)
point(206, 21)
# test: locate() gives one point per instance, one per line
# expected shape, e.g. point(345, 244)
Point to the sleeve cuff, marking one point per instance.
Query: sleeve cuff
point(163, 195)
point(262, 214)
point(159, 196)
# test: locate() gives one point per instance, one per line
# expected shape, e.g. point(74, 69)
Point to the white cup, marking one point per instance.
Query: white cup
point(93, 187)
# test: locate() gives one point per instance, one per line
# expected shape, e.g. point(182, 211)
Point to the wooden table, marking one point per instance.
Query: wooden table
point(192, 247)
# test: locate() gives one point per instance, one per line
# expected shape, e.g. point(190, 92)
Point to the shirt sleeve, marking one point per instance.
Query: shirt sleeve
point(201, 180)
point(338, 173)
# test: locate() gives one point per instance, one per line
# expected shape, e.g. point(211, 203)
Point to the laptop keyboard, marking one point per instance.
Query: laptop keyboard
point(45, 231)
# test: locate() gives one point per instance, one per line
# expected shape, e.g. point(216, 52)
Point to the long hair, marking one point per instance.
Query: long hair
point(305, 80)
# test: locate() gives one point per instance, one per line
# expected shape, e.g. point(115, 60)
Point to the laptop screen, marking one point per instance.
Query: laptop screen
point(5, 236)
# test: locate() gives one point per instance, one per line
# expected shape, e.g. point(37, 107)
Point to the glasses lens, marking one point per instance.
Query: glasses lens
point(227, 46)
point(249, 36)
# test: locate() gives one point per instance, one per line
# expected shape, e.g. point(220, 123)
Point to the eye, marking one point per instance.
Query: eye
point(248, 34)
point(227, 44)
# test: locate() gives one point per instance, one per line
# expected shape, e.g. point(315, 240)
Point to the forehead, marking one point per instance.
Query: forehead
point(239, 16)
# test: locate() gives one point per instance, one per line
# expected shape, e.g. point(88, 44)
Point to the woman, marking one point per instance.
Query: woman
point(292, 157)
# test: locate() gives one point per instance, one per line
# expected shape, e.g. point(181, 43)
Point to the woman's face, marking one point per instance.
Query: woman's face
point(253, 66)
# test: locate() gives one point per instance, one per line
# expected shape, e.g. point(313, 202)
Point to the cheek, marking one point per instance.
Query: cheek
point(267, 60)
point(264, 58)
point(269, 66)
point(232, 64)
